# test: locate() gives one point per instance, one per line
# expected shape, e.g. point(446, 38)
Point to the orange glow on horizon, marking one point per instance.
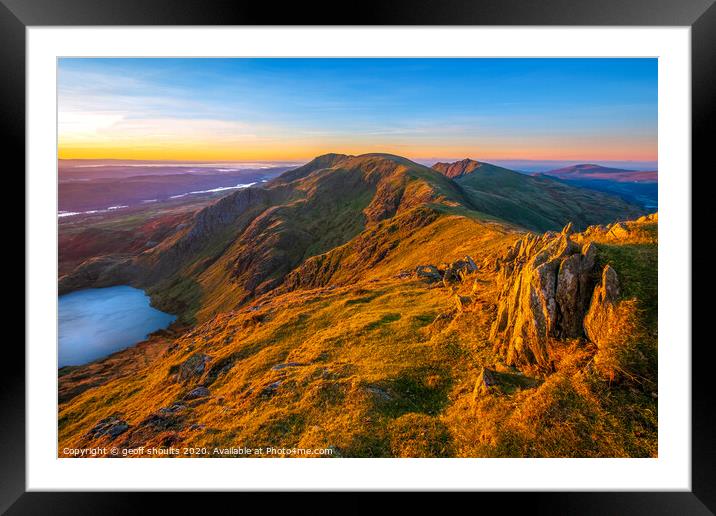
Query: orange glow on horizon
point(293, 152)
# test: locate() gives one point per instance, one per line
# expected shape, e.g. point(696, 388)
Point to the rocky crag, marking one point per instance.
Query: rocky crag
point(553, 288)
point(547, 286)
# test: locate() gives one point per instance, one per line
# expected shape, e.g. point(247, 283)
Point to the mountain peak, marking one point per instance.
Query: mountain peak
point(458, 168)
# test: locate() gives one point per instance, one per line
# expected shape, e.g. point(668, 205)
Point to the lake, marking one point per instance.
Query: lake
point(96, 322)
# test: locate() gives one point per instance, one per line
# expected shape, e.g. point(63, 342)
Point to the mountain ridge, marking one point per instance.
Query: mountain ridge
point(598, 172)
point(537, 203)
point(298, 227)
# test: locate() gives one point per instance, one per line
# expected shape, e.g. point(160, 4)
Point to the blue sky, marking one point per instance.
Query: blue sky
point(542, 109)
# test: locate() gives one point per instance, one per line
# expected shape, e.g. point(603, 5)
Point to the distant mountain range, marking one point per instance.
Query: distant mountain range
point(635, 186)
point(598, 172)
point(94, 187)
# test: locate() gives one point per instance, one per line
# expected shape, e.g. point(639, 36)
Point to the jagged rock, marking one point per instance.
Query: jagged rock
point(614, 325)
point(596, 321)
point(547, 282)
point(457, 271)
point(174, 408)
point(652, 217)
point(488, 378)
point(574, 283)
point(112, 426)
point(619, 230)
point(448, 273)
point(192, 367)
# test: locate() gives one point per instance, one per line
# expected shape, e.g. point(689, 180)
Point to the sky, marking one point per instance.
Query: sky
point(581, 110)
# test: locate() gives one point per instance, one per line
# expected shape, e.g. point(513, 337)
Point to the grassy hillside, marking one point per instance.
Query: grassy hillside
point(380, 367)
point(307, 323)
point(536, 203)
point(230, 259)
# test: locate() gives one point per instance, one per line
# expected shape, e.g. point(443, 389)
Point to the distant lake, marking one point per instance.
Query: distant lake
point(96, 322)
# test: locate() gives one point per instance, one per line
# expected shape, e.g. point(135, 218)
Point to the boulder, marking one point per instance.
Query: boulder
point(380, 394)
point(199, 392)
point(597, 319)
point(192, 367)
point(112, 426)
point(164, 418)
point(430, 273)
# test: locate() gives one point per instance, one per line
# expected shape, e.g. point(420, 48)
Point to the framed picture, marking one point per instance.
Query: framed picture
point(429, 247)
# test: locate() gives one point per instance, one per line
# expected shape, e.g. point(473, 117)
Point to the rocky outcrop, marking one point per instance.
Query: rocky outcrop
point(448, 273)
point(164, 418)
point(547, 285)
point(622, 231)
point(457, 168)
point(597, 325)
point(652, 217)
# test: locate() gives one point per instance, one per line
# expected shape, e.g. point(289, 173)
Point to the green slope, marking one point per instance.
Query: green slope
point(536, 203)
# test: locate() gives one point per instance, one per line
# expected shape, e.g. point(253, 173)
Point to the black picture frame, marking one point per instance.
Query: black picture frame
point(700, 15)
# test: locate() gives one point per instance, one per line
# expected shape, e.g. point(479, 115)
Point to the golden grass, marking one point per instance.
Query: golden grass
point(381, 367)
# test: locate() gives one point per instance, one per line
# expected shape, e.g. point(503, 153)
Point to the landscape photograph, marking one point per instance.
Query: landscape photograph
point(357, 257)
